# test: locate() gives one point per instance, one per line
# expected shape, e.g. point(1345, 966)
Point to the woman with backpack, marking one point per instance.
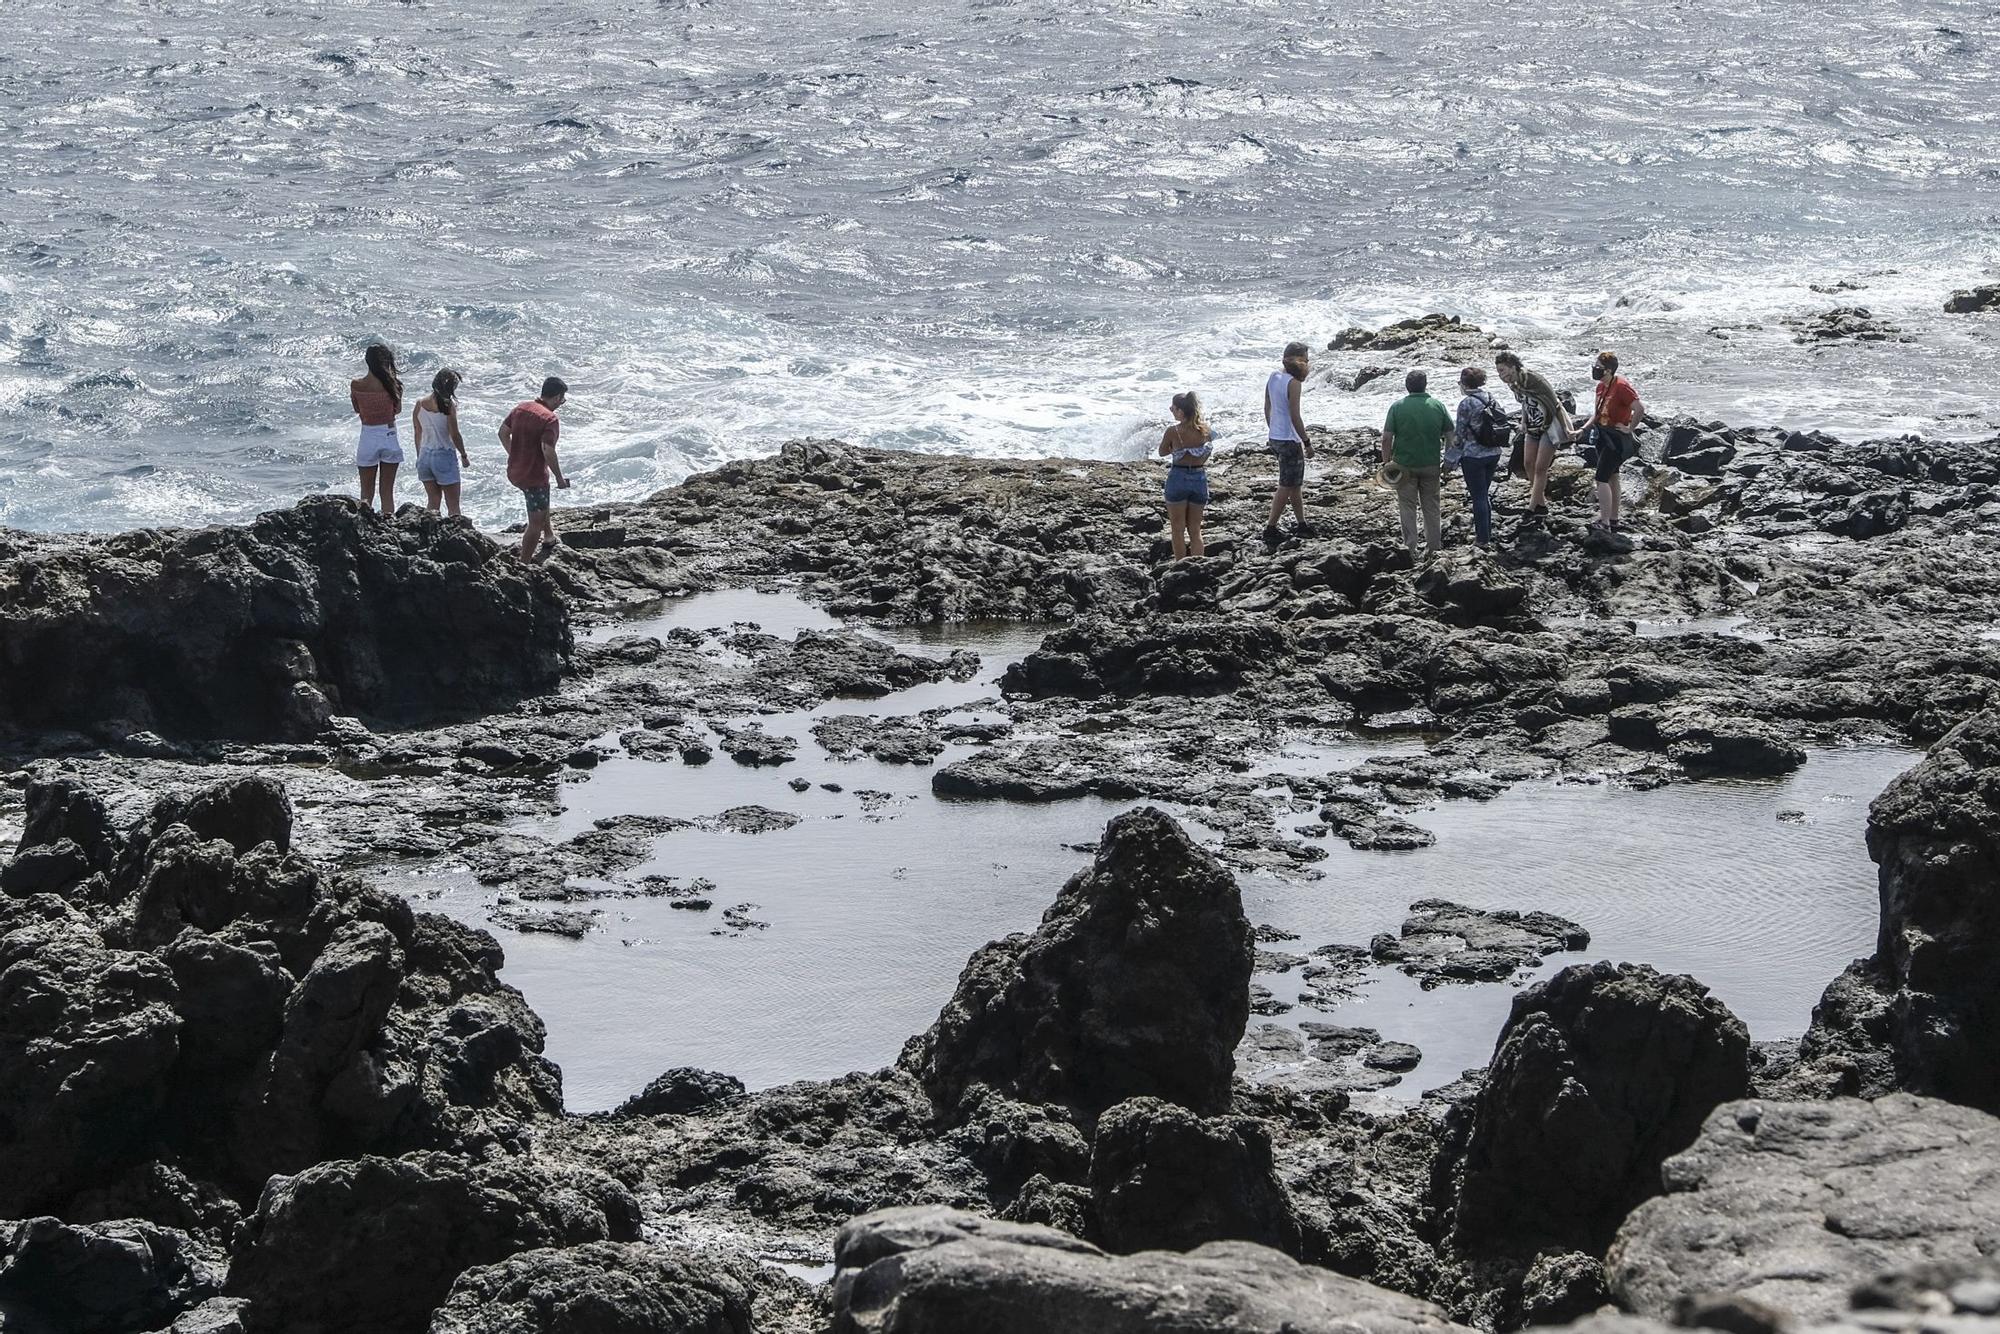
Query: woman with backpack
point(1477, 444)
point(1618, 411)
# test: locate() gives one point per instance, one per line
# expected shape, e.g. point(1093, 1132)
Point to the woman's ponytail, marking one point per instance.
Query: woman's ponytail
point(1189, 406)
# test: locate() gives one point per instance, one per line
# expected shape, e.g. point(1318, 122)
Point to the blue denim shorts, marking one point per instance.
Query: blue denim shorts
point(1189, 485)
point(438, 465)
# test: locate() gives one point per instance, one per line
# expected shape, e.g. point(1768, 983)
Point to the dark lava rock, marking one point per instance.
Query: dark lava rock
point(1162, 1178)
point(1135, 984)
point(237, 1013)
point(98, 1278)
point(890, 740)
point(269, 630)
point(1600, 1073)
point(570, 924)
point(603, 1288)
point(929, 1270)
point(1368, 827)
point(1846, 324)
point(1921, 1014)
point(1791, 1205)
point(1053, 770)
point(1561, 1286)
point(680, 1091)
point(1012, 1143)
point(750, 744)
point(1973, 300)
point(1442, 941)
point(308, 1268)
point(1159, 657)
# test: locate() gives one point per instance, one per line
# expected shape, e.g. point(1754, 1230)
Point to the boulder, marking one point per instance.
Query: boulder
point(265, 631)
point(221, 1005)
point(680, 1091)
point(372, 1245)
point(1136, 984)
point(1190, 655)
point(602, 1288)
point(1162, 1178)
point(98, 1278)
point(1600, 1073)
point(930, 1270)
point(1971, 301)
point(1922, 1013)
point(1792, 1205)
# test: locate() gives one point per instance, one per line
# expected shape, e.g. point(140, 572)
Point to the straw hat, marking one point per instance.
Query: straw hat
point(1391, 474)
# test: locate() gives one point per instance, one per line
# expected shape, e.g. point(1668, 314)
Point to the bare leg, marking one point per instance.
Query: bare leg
point(1277, 507)
point(1541, 459)
point(433, 494)
point(367, 487)
point(1194, 530)
point(531, 535)
point(450, 499)
point(388, 488)
point(1177, 524)
point(1299, 503)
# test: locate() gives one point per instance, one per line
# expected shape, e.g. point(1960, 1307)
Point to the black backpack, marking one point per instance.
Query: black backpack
point(1492, 427)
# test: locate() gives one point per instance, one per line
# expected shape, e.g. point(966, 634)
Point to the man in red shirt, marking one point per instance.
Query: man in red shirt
point(529, 435)
point(1618, 411)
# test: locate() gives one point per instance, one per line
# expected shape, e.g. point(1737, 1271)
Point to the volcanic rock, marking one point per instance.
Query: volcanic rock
point(307, 1268)
point(98, 1278)
point(1136, 984)
point(1973, 300)
point(267, 631)
point(1162, 1178)
point(603, 1288)
point(936, 1271)
point(680, 1091)
point(1442, 941)
point(1791, 1205)
point(1600, 1073)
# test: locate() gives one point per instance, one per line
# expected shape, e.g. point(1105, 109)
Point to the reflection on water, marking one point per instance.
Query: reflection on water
point(873, 901)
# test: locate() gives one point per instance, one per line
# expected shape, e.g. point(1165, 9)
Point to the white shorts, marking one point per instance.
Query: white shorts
point(378, 445)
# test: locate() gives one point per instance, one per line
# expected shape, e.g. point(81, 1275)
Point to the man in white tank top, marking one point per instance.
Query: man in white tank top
point(1286, 430)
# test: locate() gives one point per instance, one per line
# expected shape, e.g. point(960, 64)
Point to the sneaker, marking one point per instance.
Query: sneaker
point(1304, 530)
point(1272, 535)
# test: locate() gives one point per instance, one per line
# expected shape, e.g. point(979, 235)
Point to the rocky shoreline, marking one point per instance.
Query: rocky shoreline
point(223, 1047)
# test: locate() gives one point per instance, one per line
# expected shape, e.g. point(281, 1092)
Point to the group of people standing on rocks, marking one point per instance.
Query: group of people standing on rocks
point(1420, 438)
point(528, 433)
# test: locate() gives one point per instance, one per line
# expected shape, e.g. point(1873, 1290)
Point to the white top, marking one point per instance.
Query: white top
point(1278, 393)
point(1191, 456)
point(433, 430)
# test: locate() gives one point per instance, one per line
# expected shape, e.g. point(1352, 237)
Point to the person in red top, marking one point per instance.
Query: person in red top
point(1618, 411)
point(529, 435)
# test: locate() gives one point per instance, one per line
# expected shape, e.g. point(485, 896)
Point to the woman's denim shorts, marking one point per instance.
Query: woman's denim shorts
point(1187, 484)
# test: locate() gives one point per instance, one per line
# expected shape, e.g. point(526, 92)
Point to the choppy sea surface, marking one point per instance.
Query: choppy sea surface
point(996, 227)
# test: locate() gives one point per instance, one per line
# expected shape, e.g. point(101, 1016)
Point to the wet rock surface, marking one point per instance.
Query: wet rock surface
point(1442, 941)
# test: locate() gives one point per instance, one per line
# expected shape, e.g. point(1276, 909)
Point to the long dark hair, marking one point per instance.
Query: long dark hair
point(444, 388)
point(382, 365)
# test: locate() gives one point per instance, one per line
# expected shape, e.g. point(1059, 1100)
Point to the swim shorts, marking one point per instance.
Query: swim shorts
point(1291, 462)
point(537, 498)
point(1187, 486)
point(378, 445)
point(438, 465)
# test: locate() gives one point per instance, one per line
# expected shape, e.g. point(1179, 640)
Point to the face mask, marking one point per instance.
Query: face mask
point(1597, 372)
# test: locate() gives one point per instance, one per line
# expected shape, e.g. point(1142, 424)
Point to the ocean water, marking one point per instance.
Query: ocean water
point(999, 227)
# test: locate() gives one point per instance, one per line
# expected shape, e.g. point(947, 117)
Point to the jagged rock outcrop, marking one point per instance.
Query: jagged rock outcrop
point(98, 1278)
point(936, 1271)
point(1162, 1178)
point(681, 1090)
point(1136, 984)
point(1600, 1073)
point(211, 1001)
point(372, 1245)
point(1791, 1205)
point(271, 629)
point(1921, 1014)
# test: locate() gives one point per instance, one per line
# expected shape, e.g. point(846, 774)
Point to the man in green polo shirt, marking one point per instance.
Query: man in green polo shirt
point(1414, 439)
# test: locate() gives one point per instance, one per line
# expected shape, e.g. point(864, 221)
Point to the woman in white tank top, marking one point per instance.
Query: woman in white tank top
point(440, 448)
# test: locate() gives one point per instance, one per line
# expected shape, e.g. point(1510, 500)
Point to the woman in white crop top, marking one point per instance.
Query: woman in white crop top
point(440, 448)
